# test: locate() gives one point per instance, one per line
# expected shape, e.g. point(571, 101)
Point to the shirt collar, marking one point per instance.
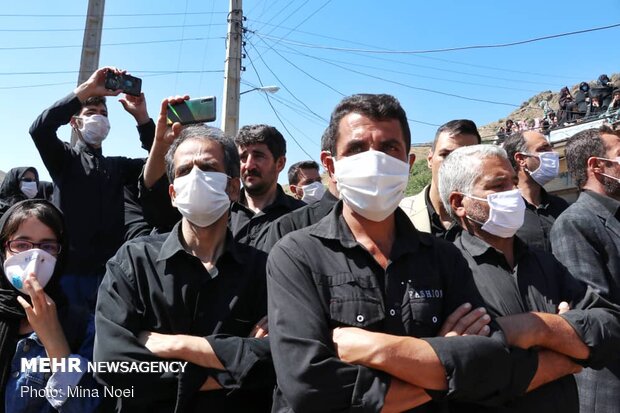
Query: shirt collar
point(608, 203)
point(477, 247)
point(281, 199)
point(172, 245)
point(334, 227)
point(544, 201)
point(84, 147)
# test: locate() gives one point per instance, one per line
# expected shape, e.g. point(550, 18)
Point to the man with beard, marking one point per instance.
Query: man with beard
point(262, 150)
point(586, 239)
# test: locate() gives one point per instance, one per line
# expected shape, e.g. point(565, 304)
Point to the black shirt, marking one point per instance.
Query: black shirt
point(90, 187)
point(298, 219)
point(153, 284)
point(251, 228)
point(320, 278)
point(437, 228)
point(539, 219)
point(539, 282)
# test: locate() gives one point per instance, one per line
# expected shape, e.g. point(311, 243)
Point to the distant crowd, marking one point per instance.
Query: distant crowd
point(588, 102)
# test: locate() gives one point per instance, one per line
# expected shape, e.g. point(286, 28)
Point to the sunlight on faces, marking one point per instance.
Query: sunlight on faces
point(444, 146)
point(259, 169)
point(306, 176)
point(206, 154)
point(535, 143)
point(496, 175)
point(33, 230)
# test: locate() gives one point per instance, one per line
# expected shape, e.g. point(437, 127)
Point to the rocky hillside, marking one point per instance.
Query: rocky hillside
point(530, 109)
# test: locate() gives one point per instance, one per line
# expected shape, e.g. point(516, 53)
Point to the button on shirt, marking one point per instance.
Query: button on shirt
point(538, 221)
point(251, 228)
point(153, 284)
point(320, 278)
point(539, 282)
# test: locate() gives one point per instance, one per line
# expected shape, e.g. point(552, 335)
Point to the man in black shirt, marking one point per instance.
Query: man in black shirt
point(476, 185)
point(536, 164)
point(365, 265)
point(425, 209)
point(89, 185)
point(586, 239)
point(195, 295)
point(309, 214)
point(262, 150)
point(304, 181)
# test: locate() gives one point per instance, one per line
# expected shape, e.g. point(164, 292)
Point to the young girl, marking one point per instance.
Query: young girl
point(35, 319)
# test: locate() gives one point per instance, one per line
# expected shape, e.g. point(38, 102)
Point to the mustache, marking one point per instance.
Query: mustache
point(252, 172)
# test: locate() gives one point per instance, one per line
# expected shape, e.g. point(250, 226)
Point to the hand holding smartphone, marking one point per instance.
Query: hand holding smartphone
point(130, 85)
point(192, 111)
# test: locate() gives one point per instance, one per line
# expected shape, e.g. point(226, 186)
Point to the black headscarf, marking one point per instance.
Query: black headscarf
point(11, 312)
point(10, 190)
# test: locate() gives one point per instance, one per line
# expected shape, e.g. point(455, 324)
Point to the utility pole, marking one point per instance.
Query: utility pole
point(91, 45)
point(232, 71)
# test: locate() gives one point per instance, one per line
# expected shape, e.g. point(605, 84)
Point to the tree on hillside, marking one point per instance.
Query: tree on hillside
point(419, 177)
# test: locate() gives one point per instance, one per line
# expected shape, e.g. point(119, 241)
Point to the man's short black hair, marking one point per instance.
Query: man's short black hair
point(376, 107)
point(513, 144)
point(232, 165)
point(270, 136)
point(457, 127)
point(293, 171)
point(580, 147)
point(93, 101)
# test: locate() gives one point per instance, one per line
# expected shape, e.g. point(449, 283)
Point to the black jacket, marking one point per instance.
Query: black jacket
point(90, 187)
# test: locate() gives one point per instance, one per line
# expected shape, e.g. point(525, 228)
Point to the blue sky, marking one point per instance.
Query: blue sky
point(179, 47)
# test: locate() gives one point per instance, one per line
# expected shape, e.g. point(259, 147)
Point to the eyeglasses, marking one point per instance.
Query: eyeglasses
point(18, 245)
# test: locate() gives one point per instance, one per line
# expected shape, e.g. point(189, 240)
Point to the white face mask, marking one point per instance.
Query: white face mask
point(94, 129)
point(29, 189)
point(201, 196)
point(371, 183)
point(313, 192)
point(506, 213)
point(19, 266)
point(548, 169)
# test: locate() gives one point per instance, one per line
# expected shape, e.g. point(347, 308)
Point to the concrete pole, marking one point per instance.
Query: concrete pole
point(91, 45)
point(232, 71)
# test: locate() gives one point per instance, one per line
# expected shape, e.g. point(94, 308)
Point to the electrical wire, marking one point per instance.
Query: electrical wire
point(448, 49)
point(275, 112)
point(111, 14)
point(109, 44)
point(111, 28)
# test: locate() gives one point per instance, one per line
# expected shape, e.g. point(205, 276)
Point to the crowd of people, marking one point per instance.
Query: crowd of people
point(482, 293)
point(586, 103)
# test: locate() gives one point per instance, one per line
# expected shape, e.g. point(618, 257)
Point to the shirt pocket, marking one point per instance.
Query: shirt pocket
point(355, 300)
point(426, 317)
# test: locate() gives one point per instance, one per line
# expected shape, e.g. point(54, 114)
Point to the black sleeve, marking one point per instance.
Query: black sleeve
point(310, 375)
point(147, 134)
point(467, 361)
point(117, 322)
point(277, 230)
point(54, 152)
point(156, 205)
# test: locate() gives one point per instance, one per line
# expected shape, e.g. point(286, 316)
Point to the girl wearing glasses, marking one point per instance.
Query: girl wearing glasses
point(35, 319)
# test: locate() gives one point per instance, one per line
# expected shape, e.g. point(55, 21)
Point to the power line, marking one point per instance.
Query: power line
point(289, 16)
point(110, 44)
point(283, 85)
point(157, 72)
point(449, 49)
point(112, 28)
point(112, 14)
point(429, 57)
point(406, 73)
point(275, 112)
point(415, 87)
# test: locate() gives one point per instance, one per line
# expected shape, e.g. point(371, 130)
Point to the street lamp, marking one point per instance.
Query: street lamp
point(267, 89)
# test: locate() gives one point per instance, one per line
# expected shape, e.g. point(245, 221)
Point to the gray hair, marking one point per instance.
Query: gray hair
point(460, 170)
point(232, 164)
